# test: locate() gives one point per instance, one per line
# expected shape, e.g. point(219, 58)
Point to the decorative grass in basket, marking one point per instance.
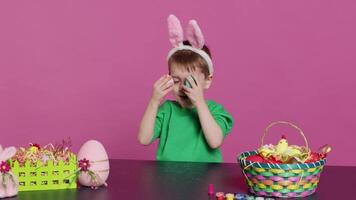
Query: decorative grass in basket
point(283, 170)
point(47, 168)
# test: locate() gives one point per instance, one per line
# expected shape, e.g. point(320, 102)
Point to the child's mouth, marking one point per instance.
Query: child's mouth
point(184, 97)
point(184, 100)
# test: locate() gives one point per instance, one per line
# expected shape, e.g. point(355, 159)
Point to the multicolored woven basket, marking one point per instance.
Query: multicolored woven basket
point(281, 180)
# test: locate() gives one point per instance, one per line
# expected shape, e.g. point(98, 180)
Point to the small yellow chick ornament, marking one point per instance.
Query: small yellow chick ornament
point(284, 153)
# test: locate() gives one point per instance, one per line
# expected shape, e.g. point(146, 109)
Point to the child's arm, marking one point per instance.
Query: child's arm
point(160, 89)
point(212, 131)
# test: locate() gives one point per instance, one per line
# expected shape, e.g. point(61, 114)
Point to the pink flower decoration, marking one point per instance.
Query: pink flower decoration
point(35, 145)
point(84, 164)
point(4, 167)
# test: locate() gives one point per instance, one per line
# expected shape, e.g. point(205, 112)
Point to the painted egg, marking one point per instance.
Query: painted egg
point(255, 158)
point(313, 157)
point(94, 164)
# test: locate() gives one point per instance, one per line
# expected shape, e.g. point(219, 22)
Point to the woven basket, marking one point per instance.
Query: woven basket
point(281, 180)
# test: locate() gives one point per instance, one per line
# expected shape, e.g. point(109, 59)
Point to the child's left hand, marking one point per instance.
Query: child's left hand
point(195, 94)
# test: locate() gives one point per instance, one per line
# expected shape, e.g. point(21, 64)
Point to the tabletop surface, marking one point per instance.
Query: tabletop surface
point(148, 180)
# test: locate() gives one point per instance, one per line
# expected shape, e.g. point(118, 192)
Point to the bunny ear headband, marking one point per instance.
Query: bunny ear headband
point(194, 36)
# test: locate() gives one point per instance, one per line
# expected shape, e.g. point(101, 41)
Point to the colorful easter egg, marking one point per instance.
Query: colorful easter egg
point(187, 83)
point(313, 157)
point(94, 164)
point(255, 158)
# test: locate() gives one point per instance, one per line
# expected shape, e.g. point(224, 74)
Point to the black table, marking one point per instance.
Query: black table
point(148, 180)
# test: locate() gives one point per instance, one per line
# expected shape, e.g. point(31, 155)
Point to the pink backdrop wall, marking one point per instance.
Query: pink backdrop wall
point(84, 69)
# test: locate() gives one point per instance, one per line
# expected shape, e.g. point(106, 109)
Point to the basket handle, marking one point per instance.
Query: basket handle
point(287, 123)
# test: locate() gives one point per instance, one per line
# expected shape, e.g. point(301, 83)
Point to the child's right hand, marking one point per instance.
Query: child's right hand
point(161, 88)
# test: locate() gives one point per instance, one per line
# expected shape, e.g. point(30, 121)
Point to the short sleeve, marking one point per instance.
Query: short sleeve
point(160, 117)
point(221, 116)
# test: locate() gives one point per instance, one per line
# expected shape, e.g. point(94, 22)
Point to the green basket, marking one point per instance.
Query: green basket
point(281, 180)
point(47, 176)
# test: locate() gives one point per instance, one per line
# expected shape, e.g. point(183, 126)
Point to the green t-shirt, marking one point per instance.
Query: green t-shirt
point(181, 135)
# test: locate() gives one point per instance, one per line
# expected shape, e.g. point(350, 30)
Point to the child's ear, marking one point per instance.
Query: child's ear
point(208, 81)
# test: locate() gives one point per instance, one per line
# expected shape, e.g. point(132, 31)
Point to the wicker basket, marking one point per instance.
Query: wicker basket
point(281, 180)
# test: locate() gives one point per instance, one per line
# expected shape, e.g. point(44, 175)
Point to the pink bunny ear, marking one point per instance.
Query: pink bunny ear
point(194, 35)
point(175, 31)
point(7, 153)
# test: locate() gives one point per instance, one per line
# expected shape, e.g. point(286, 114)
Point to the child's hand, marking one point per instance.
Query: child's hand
point(161, 87)
point(195, 94)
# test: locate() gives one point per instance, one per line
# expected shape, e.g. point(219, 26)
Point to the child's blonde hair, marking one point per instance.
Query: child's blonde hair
point(189, 60)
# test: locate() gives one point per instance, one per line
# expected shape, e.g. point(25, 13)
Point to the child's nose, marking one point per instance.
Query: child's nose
point(181, 85)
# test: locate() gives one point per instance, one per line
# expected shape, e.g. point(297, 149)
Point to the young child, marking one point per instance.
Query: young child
point(190, 128)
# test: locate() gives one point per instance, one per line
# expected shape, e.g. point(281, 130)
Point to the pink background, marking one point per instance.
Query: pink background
point(85, 69)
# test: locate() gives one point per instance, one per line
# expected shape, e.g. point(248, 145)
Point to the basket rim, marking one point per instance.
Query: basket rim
point(243, 162)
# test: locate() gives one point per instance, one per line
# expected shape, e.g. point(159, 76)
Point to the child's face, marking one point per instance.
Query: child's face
point(179, 76)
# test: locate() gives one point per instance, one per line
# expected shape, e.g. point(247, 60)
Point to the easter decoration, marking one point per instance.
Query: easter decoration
point(45, 168)
point(93, 164)
point(52, 167)
point(8, 181)
point(283, 170)
point(187, 83)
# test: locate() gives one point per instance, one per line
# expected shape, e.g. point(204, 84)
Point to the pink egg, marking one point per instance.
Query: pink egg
point(95, 152)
